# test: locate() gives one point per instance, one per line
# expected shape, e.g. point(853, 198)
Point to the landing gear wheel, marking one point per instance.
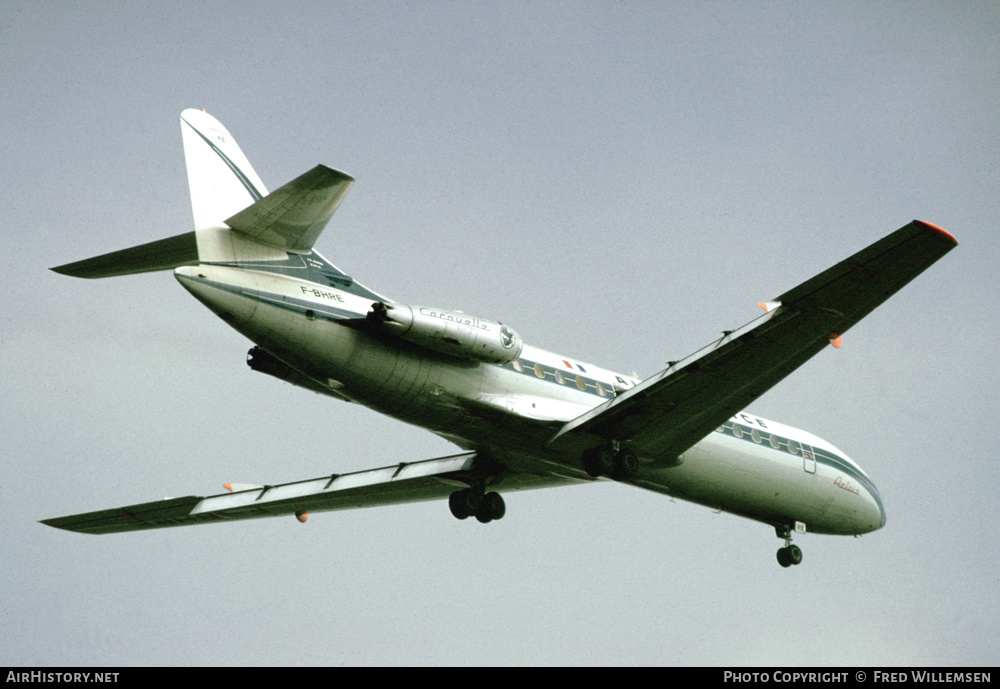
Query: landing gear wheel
point(626, 465)
point(783, 558)
point(492, 507)
point(464, 503)
point(599, 461)
point(604, 461)
point(789, 555)
point(456, 504)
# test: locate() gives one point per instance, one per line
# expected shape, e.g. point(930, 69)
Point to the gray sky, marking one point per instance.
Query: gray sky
point(617, 181)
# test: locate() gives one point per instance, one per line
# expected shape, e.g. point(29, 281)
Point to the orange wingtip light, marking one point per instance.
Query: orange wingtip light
point(239, 487)
point(836, 340)
point(302, 516)
point(934, 228)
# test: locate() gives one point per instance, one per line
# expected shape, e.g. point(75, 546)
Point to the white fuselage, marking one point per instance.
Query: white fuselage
point(750, 466)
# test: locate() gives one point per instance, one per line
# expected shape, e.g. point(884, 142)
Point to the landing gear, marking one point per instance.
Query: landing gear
point(619, 464)
point(473, 503)
point(599, 461)
point(791, 554)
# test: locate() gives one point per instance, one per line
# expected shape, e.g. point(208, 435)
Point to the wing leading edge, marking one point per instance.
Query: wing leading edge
point(401, 483)
point(431, 479)
point(669, 412)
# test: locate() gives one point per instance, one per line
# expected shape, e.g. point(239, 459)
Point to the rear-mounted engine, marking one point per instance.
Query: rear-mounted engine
point(451, 332)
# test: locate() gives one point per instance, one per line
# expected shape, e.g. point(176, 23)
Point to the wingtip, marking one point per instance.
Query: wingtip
point(938, 230)
point(69, 269)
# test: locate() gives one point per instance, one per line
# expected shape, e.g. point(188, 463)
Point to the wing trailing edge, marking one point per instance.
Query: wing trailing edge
point(401, 483)
point(671, 411)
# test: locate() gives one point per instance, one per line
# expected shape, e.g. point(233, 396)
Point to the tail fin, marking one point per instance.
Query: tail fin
point(235, 219)
point(221, 179)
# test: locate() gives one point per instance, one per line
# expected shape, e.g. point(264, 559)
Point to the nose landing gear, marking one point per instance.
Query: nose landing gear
point(791, 554)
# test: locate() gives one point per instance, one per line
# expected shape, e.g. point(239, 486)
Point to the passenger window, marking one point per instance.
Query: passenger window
point(560, 378)
point(539, 371)
point(600, 389)
point(737, 431)
point(775, 443)
point(755, 435)
point(518, 366)
point(793, 447)
point(581, 383)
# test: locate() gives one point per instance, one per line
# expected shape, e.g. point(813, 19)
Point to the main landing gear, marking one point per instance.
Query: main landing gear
point(470, 502)
point(791, 554)
point(616, 462)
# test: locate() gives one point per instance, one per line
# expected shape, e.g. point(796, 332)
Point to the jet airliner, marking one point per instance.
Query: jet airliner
point(520, 416)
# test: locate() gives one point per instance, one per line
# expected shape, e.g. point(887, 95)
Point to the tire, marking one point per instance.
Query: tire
point(456, 503)
point(494, 505)
point(626, 465)
point(605, 461)
point(783, 557)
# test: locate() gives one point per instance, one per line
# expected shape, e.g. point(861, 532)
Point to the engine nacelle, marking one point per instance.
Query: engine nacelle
point(451, 332)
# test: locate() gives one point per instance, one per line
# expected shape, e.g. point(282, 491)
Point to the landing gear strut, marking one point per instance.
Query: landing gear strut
point(791, 554)
point(470, 502)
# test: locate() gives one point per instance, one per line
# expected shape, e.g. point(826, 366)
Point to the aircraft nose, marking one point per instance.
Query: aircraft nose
point(878, 518)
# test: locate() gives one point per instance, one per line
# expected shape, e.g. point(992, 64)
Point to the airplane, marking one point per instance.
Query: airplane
point(522, 417)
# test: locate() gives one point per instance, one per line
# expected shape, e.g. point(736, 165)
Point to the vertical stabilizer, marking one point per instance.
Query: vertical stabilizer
point(221, 179)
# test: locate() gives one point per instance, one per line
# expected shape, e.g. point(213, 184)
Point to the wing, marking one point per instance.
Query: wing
point(669, 412)
point(431, 479)
point(414, 482)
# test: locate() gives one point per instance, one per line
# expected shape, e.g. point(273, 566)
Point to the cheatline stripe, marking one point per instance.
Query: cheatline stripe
point(821, 455)
point(244, 180)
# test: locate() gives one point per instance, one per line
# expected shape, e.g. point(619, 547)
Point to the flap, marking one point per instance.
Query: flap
point(400, 483)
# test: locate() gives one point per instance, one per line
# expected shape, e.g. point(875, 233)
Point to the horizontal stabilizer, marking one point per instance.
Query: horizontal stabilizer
point(291, 218)
point(163, 254)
